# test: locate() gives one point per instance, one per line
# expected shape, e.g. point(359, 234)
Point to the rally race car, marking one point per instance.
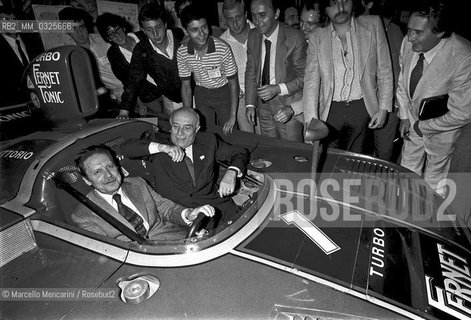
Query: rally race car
point(323, 234)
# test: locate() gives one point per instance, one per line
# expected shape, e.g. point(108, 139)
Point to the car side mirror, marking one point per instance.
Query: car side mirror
point(316, 130)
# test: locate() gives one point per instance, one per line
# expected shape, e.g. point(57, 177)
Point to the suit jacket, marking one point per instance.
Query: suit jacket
point(448, 73)
point(376, 79)
point(290, 62)
point(173, 179)
point(163, 215)
point(13, 90)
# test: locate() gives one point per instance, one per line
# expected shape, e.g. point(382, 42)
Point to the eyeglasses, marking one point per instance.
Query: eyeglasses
point(114, 32)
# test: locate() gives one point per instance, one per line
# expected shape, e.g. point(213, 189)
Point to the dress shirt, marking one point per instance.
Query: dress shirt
point(273, 38)
point(429, 55)
point(154, 148)
point(124, 198)
point(346, 66)
point(239, 50)
point(99, 48)
point(169, 50)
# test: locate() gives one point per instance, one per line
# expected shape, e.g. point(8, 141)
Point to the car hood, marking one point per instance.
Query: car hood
point(389, 262)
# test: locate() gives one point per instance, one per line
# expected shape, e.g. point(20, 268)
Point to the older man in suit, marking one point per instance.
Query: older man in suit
point(130, 200)
point(276, 58)
point(348, 79)
point(434, 61)
point(185, 164)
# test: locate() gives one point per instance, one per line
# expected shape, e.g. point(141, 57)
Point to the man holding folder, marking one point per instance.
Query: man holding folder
point(435, 71)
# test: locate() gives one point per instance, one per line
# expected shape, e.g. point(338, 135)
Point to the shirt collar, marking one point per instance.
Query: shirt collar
point(169, 44)
point(109, 197)
point(211, 46)
point(231, 38)
point(352, 27)
point(274, 36)
point(429, 55)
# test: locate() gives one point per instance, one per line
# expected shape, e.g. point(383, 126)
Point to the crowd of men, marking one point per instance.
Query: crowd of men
point(334, 61)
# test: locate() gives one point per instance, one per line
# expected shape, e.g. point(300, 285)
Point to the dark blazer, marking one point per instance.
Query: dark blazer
point(290, 62)
point(12, 89)
point(147, 92)
point(163, 215)
point(173, 180)
point(145, 61)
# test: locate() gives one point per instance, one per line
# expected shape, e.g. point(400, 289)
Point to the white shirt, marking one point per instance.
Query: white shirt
point(189, 152)
point(169, 50)
point(99, 48)
point(428, 57)
point(273, 38)
point(239, 50)
point(124, 198)
point(154, 148)
point(346, 66)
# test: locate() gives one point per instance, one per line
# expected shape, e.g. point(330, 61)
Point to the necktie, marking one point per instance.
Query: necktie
point(132, 217)
point(191, 169)
point(24, 60)
point(266, 64)
point(416, 74)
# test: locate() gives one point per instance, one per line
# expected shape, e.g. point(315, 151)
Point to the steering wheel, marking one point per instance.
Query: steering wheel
point(196, 225)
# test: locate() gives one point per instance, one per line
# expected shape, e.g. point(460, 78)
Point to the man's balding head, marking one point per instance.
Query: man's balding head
point(185, 124)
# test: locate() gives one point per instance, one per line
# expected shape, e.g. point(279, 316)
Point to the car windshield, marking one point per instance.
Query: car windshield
point(14, 161)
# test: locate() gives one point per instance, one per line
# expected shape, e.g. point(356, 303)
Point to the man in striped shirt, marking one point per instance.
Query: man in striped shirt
point(214, 69)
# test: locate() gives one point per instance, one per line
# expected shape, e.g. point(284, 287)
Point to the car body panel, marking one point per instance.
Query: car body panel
point(322, 234)
point(256, 266)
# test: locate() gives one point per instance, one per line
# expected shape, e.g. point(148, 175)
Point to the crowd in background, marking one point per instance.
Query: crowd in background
point(275, 68)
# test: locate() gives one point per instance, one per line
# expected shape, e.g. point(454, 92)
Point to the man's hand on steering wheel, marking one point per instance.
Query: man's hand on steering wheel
point(196, 216)
point(207, 210)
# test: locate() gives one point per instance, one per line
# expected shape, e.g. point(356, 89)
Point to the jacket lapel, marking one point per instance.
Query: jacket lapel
point(281, 52)
point(109, 209)
point(255, 44)
point(434, 71)
point(134, 194)
point(407, 68)
point(364, 44)
point(199, 157)
point(325, 49)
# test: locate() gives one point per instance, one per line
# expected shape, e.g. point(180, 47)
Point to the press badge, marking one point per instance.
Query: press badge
point(214, 72)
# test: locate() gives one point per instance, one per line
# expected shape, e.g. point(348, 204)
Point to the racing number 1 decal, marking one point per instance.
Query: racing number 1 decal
point(311, 230)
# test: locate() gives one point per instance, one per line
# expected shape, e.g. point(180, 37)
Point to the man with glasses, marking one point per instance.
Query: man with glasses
point(83, 23)
point(118, 32)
